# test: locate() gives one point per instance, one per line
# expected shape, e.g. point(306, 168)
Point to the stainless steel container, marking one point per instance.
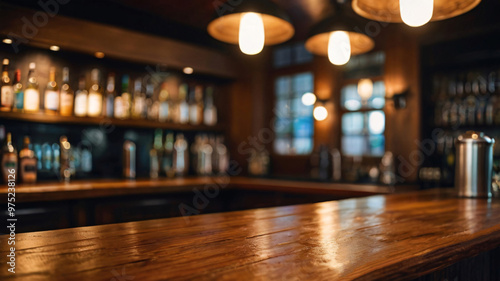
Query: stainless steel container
point(474, 165)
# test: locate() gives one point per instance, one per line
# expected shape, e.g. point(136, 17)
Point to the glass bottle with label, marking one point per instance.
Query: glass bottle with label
point(139, 102)
point(94, 104)
point(7, 93)
point(51, 97)
point(129, 158)
point(81, 97)
point(152, 105)
point(181, 157)
point(67, 95)
point(32, 93)
point(110, 96)
point(210, 112)
point(196, 106)
point(126, 98)
point(155, 155)
point(168, 155)
point(27, 162)
point(9, 158)
point(183, 105)
point(164, 109)
point(18, 91)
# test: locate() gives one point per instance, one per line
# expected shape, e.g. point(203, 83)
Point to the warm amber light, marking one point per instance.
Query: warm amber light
point(416, 12)
point(99, 55)
point(251, 34)
point(320, 113)
point(308, 99)
point(188, 70)
point(365, 89)
point(339, 48)
point(54, 48)
point(7, 41)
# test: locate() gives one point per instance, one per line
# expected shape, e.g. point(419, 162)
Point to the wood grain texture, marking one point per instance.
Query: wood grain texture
point(392, 237)
point(81, 189)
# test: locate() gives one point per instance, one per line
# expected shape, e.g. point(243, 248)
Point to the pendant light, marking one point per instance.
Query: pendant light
point(251, 24)
point(412, 12)
point(339, 37)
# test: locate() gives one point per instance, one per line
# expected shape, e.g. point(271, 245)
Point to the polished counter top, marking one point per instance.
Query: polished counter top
point(81, 189)
point(383, 237)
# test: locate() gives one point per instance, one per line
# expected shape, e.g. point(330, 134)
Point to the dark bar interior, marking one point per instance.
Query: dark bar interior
point(250, 140)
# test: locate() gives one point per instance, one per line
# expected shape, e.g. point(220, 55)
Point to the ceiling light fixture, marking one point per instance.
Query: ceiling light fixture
point(338, 37)
point(251, 24)
point(99, 55)
point(54, 48)
point(188, 70)
point(412, 12)
point(7, 41)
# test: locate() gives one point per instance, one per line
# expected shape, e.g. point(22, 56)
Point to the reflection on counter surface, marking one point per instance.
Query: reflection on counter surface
point(291, 139)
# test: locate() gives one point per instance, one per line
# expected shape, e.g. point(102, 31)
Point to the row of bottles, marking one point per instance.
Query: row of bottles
point(57, 158)
point(192, 105)
point(326, 164)
point(467, 99)
point(172, 156)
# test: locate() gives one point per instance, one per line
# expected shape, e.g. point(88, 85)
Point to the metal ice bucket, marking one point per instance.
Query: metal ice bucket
point(474, 165)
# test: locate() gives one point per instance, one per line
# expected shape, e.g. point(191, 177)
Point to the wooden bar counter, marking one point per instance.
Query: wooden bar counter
point(383, 237)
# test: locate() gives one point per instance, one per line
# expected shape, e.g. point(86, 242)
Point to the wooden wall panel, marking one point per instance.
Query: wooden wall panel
point(89, 37)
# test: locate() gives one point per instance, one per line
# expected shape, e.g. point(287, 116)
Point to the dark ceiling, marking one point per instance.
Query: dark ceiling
point(187, 20)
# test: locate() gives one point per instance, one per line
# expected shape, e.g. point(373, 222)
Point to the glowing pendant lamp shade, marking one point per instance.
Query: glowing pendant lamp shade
point(336, 38)
point(251, 24)
point(412, 12)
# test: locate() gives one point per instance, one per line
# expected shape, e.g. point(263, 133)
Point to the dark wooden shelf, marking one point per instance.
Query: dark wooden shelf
point(41, 117)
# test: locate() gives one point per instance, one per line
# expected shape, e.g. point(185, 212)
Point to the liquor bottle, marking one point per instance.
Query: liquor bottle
point(183, 105)
point(164, 112)
point(7, 93)
point(38, 153)
point(210, 112)
point(27, 162)
point(18, 91)
point(51, 97)
point(94, 103)
point(126, 98)
point(196, 105)
point(129, 155)
point(152, 105)
point(9, 158)
point(195, 154)
point(155, 154)
point(67, 95)
point(221, 163)
point(32, 94)
point(56, 161)
point(139, 102)
point(46, 157)
point(81, 98)
point(66, 169)
point(181, 157)
point(86, 161)
point(168, 155)
point(205, 157)
point(109, 100)
point(336, 165)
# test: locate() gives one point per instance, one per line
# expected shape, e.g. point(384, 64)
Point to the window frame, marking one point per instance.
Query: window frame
point(342, 111)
